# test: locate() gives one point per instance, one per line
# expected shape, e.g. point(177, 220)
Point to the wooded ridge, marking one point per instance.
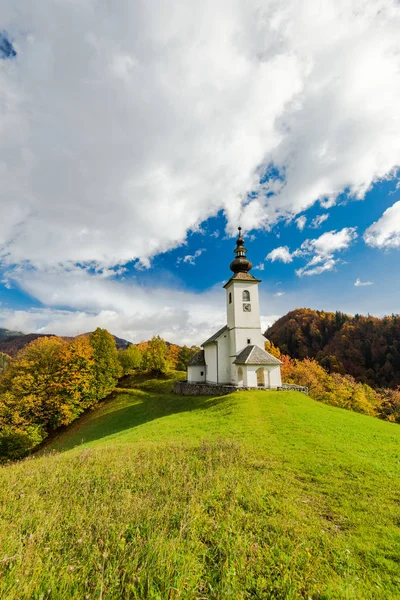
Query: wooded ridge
point(366, 347)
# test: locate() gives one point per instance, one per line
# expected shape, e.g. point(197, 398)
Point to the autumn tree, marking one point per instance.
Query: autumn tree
point(18, 433)
point(107, 368)
point(51, 382)
point(4, 362)
point(272, 349)
point(77, 379)
point(389, 409)
point(36, 373)
point(130, 359)
point(155, 356)
point(172, 356)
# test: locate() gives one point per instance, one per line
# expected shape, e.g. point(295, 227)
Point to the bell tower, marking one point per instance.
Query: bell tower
point(242, 303)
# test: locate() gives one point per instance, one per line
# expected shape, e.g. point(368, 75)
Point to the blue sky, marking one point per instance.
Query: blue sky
point(129, 159)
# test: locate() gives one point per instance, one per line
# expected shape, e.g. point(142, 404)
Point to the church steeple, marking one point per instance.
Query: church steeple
point(240, 264)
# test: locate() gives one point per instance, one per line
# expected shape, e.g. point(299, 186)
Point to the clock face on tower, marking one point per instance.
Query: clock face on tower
point(247, 307)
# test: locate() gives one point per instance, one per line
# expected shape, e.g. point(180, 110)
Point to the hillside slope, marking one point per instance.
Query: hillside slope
point(251, 495)
point(367, 348)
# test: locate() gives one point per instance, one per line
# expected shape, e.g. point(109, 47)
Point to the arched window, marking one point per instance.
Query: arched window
point(246, 295)
point(230, 297)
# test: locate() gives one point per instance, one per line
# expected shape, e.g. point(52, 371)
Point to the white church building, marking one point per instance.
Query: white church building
point(235, 354)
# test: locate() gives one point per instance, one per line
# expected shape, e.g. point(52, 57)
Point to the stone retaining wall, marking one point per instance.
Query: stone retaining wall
point(184, 388)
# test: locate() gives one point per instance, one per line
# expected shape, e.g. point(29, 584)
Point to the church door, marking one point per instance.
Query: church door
point(240, 376)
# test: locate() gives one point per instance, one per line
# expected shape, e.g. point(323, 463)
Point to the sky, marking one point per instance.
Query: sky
point(135, 137)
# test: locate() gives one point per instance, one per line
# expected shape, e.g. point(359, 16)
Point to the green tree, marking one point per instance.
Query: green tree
point(130, 359)
point(107, 368)
point(155, 356)
point(185, 354)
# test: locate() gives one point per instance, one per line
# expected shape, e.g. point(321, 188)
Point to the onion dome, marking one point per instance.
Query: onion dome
point(240, 264)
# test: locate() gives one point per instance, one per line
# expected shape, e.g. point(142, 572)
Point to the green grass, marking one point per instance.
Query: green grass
point(265, 495)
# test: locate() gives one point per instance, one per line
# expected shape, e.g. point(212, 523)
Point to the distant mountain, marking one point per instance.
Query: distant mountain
point(367, 348)
point(7, 334)
point(11, 345)
point(11, 342)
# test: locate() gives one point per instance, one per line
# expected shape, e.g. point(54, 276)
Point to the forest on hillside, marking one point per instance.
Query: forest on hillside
point(368, 348)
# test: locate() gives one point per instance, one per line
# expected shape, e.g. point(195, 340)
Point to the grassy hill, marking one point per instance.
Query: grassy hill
point(265, 495)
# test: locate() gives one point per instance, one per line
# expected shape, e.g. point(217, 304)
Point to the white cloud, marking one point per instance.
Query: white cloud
point(118, 119)
point(359, 283)
point(127, 309)
point(319, 251)
point(281, 253)
point(322, 250)
point(318, 220)
point(279, 294)
point(331, 241)
point(328, 264)
point(259, 267)
point(191, 258)
point(301, 222)
point(385, 232)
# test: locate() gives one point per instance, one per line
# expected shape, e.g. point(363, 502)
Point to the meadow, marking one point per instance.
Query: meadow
point(266, 495)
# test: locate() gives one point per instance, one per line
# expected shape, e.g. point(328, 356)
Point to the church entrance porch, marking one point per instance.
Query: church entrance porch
point(263, 377)
point(260, 378)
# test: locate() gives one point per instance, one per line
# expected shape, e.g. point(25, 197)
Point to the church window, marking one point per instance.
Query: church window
point(230, 297)
point(248, 340)
point(201, 373)
point(246, 295)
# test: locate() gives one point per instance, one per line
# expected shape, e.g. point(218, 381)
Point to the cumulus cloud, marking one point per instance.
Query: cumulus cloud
point(301, 222)
point(163, 113)
point(318, 220)
point(126, 308)
point(331, 241)
point(318, 251)
point(259, 267)
point(359, 283)
point(281, 253)
point(385, 232)
point(322, 250)
point(191, 258)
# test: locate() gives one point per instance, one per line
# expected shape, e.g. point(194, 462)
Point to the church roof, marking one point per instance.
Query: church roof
point(197, 360)
point(214, 337)
point(254, 355)
point(243, 277)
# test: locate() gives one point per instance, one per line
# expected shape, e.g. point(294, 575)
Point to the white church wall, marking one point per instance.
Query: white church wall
point(210, 356)
point(224, 361)
point(241, 338)
point(275, 379)
point(196, 373)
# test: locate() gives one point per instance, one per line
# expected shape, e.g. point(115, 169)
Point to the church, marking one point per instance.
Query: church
point(235, 354)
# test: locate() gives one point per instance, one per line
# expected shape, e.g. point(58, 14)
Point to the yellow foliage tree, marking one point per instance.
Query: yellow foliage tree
point(272, 349)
